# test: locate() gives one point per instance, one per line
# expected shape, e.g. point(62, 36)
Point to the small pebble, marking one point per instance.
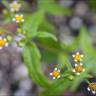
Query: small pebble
point(75, 23)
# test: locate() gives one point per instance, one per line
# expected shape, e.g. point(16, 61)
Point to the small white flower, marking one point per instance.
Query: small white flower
point(55, 73)
point(15, 6)
point(18, 18)
point(78, 69)
point(77, 57)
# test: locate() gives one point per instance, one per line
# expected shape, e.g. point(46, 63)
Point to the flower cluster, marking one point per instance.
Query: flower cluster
point(77, 69)
point(92, 88)
point(78, 66)
point(15, 7)
point(18, 18)
point(19, 39)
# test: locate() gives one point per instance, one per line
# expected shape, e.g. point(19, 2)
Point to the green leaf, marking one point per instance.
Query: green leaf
point(32, 22)
point(47, 26)
point(58, 87)
point(64, 62)
point(6, 4)
point(46, 35)
point(31, 57)
point(52, 7)
point(92, 5)
point(85, 41)
point(49, 57)
point(90, 53)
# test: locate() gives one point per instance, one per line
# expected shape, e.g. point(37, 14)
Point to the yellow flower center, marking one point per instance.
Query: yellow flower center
point(56, 73)
point(2, 43)
point(79, 68)
point(92, 86)
point(18, 18)
point(78, 57)
point(15, 6)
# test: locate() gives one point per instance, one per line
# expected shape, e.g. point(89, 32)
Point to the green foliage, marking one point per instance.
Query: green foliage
point(92, 4)
point(36, 26)
point(50, 6)
point(32, 60)
point(32, 22)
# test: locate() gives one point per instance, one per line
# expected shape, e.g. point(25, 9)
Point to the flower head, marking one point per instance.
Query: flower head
point(78, 69)
point(15, 6)
point(3, 42)
point(56, 73)
point(92, 87)
point(77, 57)
point(18, 18)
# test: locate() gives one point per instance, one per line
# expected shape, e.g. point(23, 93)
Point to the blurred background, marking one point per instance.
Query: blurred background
point(64, 19)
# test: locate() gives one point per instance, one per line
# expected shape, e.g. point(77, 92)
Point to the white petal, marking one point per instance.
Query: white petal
point(5, 39)
point(75, 60)
point(78, 73)
point(0, 37)
point(73, 55)
point(51, 74)
point(55, 69)
point(1, 48)
point(13, 19)
point(76, 65)
point(59, 76)
point(22, 20)
point(58, 70)
point(77, 53)
point(21, 15)
point(17, 21)
point(83, 70)
point(88, 89)
point(93, 92)
point(16, 15)
point(54, 77)
point(6, 45)
point(73, 70)
point(82, 55)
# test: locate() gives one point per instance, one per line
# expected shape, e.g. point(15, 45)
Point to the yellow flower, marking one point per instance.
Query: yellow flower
point(18, 18)
point(77, 57)
point(56, 73)
point(92, 87)
point(3, 42)
point(78, 69)
point(15, 6)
